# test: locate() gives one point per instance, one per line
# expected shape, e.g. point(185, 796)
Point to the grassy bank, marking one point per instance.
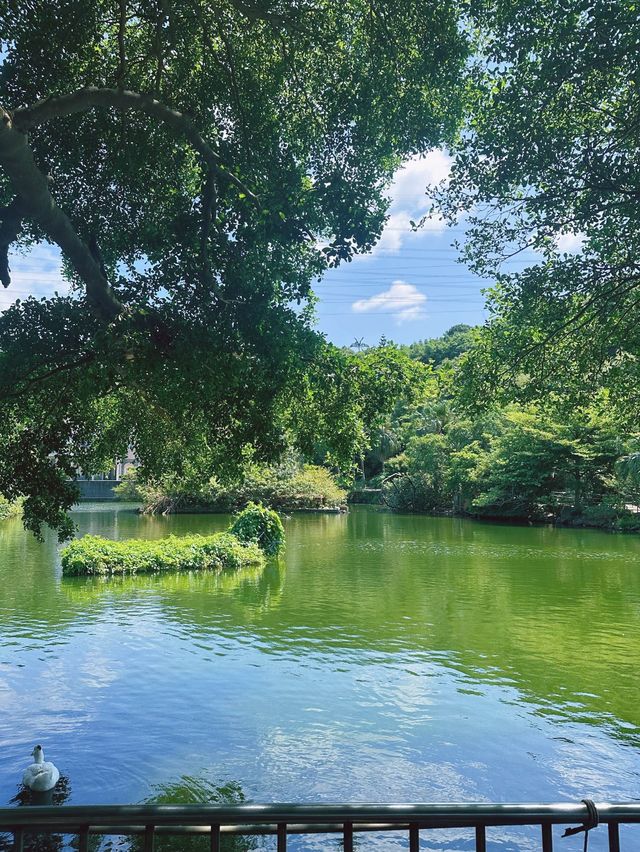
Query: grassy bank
point(255, 534)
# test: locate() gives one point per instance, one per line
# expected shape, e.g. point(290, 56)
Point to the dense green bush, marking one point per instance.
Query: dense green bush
point(129, 488)
point(518, 463)
point(366, 496)
point(415, 492)
point(291, 485)
point(261, 526)
point(610, 514)
point(288, 486)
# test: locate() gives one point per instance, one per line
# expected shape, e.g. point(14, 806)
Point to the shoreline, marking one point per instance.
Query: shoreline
point(501, 520)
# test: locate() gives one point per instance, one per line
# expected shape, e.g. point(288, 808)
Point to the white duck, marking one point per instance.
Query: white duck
point(41, 775)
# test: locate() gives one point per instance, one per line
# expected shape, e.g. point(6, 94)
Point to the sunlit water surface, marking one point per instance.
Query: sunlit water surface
point(384, 658)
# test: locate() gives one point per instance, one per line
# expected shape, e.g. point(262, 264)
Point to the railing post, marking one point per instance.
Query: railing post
point(481, 839)
point(547, 837)
point(282, 837)
point(83, 839)
point(414, 837)
point(149, 837)
point(18, 840)
point(215, 838)
point(348, 836)
point(614, 837)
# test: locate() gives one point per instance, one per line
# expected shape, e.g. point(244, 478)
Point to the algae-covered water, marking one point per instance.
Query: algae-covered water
point(384, 658)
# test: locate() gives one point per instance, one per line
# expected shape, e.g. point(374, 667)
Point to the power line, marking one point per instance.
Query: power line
point(424, 312)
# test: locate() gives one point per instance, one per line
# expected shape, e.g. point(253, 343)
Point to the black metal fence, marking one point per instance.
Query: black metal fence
point(283, 820)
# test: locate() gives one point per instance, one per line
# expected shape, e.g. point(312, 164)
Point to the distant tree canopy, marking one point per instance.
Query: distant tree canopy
point(551, 148)
point(189, 158)
point(438, 350)
point(535, 461)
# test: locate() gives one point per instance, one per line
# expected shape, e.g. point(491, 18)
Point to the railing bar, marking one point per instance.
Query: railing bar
point(426, 814)
point(149, 838)
point(547, 837)
point(83, 839)
point(282, 837)
point(241, 828)
point(481, 839)
point(414, 837)
point(215, 838)
point(614, 837)
point(18, 840)
point(347, 834)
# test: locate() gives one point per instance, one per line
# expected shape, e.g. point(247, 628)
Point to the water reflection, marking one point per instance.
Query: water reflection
point(190, 790)
point(39, 842)
point(386, 657)
point(57, 796)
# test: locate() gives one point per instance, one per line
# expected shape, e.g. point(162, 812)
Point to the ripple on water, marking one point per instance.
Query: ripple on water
point(386, 658)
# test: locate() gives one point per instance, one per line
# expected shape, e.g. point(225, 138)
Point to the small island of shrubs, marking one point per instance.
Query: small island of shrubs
point(256, 533)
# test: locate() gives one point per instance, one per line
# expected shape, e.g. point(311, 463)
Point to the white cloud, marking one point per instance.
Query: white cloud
point(396, 229)
point(408, 190)
point(570, 243)
point(404, 301)
point(409, 202)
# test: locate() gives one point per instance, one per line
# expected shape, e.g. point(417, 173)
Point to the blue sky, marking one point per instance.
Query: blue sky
point(410, 287)
point(35, 272)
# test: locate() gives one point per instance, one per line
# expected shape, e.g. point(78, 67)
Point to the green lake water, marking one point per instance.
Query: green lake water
point(384, 658)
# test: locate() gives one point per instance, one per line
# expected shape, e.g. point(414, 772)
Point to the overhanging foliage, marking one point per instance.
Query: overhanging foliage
point(190, 158)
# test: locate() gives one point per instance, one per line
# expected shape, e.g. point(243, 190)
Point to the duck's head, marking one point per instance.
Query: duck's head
point(37, 753)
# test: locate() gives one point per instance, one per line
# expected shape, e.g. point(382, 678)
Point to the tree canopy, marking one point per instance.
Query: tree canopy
point(536, 461)
point(438, 350)
point(548, 158)
point(199, 163)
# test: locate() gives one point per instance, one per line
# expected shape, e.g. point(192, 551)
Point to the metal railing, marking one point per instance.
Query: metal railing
point(283, 820)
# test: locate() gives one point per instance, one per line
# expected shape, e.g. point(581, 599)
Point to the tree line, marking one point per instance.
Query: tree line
point(521, 461)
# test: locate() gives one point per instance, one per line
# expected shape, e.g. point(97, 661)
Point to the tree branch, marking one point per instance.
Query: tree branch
point(10, 228)
point(33, 189)
point(208, 202)
point(54, 371)
point(122, 56)
point(231, 72)
point(123, 100)
point(257, 12)
point(160, 21)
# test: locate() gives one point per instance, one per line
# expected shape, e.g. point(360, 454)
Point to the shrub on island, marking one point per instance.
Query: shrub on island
point(256, 533)
point(258, 525)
